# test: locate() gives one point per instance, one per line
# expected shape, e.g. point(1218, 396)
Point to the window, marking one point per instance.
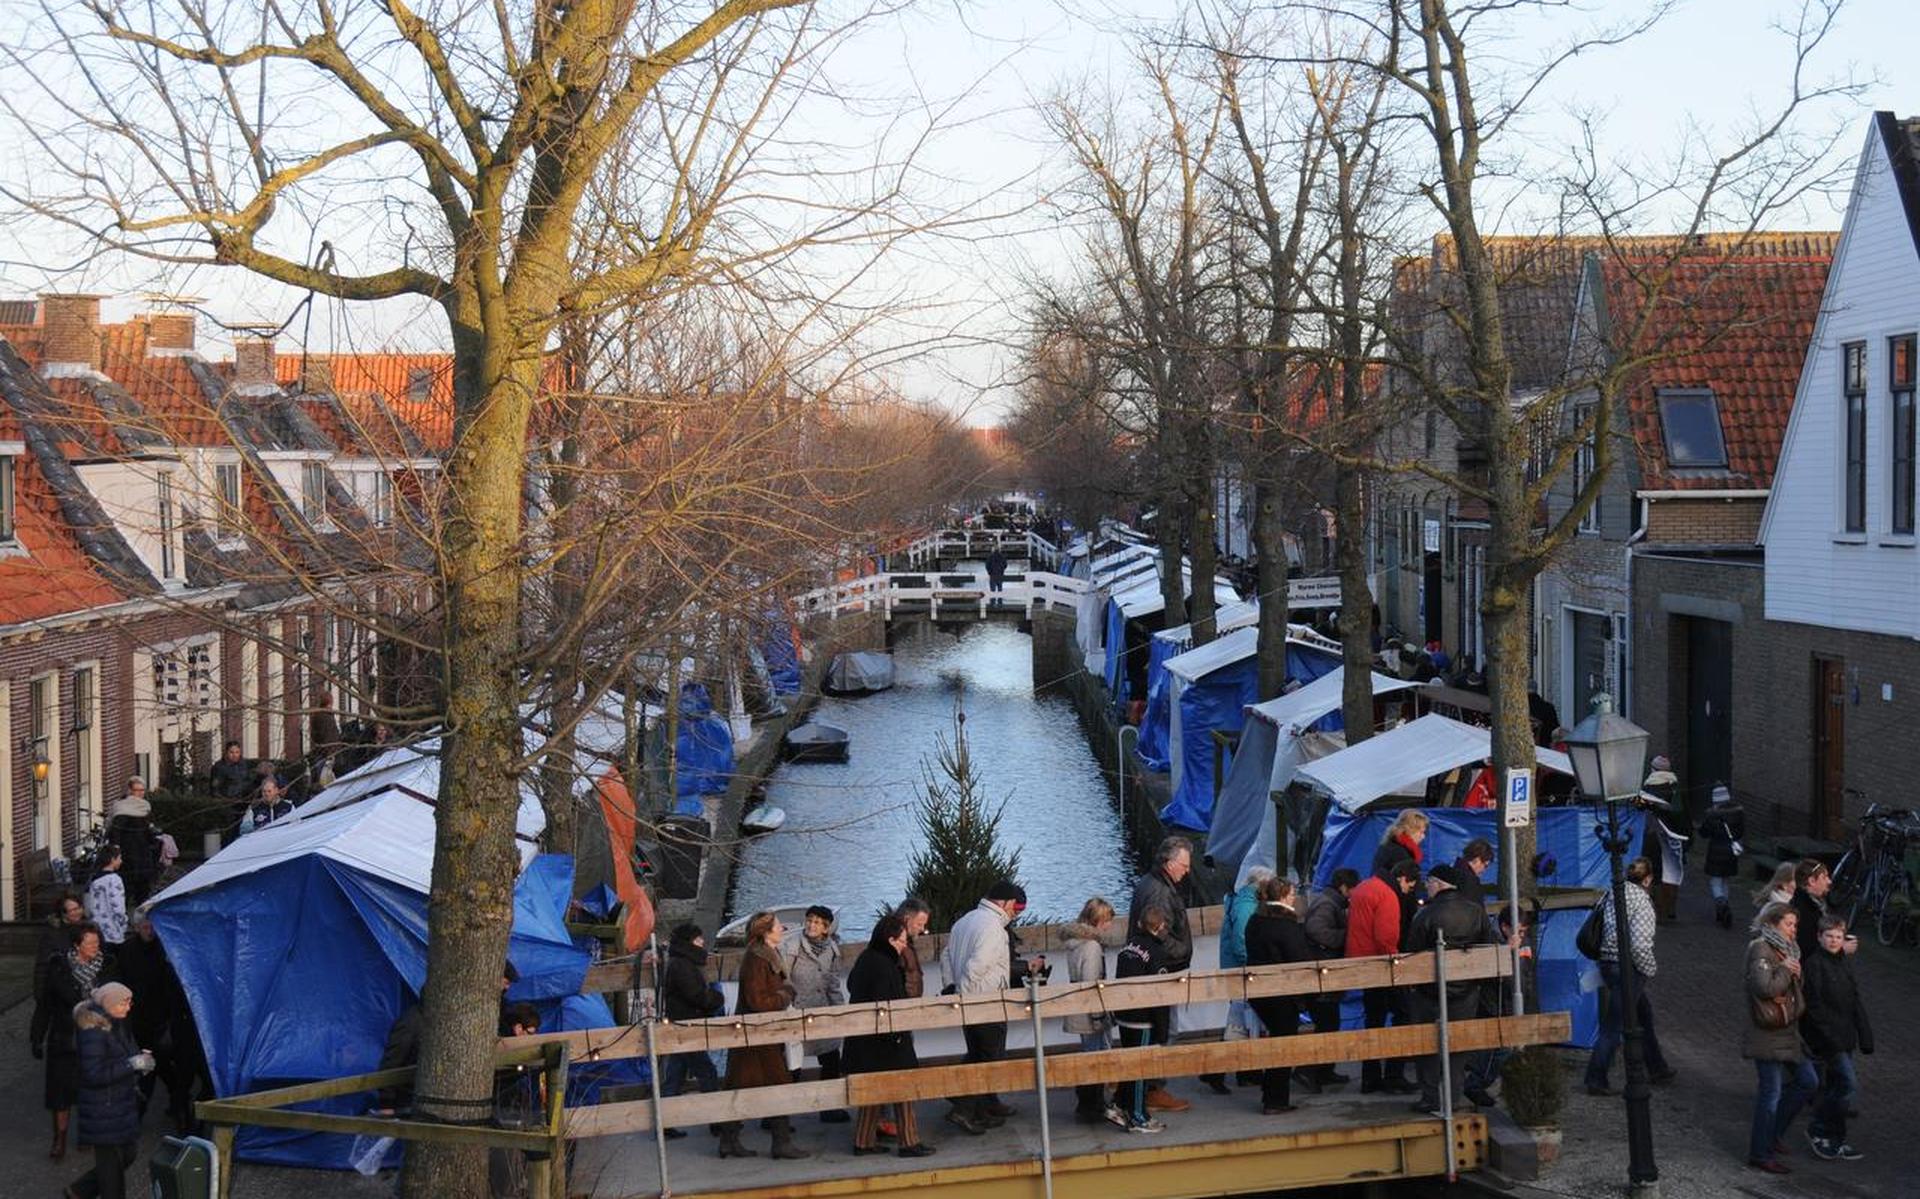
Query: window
point(1690, 424)
point(1900, 372)
point(226, 477)
point(1583, 463)
point(165, 500)
point(6, 498)
point(313, 492)
point(1854, 380)
point(382, 499)
point(85, 698)
point(43, 702)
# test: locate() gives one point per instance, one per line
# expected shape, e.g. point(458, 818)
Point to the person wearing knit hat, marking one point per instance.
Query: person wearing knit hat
point(110, 1068)
point(1451, 913)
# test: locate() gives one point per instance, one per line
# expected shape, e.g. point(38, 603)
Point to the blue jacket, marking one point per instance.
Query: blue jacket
point(1241, 905)
point(109, 1098)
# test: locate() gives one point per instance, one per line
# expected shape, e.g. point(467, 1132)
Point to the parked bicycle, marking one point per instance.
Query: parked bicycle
point(1873, 878)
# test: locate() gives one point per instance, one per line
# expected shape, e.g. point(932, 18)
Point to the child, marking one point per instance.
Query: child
point(1143, 956)
point(1725, 824)
point(1834, 1026)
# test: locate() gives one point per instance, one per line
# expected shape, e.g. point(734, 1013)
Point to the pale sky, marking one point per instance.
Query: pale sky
point(1709, 66)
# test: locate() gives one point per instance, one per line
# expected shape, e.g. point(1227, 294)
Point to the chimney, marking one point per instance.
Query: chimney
point(169, 334)
point(316, 374)
point(253, 365)
point(70, 335)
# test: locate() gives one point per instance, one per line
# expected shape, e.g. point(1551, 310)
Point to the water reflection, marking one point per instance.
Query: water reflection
point(851, 828)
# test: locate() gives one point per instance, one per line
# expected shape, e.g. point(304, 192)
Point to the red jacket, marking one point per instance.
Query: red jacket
point(1373, 919)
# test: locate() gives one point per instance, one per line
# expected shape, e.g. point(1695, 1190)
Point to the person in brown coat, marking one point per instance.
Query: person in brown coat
point(913, 913)
point(763, 988)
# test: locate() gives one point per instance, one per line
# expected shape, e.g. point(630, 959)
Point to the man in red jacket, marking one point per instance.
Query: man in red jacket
point(1373, 928)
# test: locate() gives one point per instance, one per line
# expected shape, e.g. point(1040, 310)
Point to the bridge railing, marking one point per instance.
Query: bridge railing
point(954, 544)
point(941, 594)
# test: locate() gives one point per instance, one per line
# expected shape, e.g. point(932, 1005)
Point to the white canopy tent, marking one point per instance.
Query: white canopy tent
point(1400, 757)
point(1226, 619)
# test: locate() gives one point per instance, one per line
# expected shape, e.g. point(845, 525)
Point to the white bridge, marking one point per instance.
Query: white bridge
point(945, 595)
point(955, 546)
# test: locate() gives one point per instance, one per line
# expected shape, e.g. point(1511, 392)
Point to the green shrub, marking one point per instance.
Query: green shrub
point(1534, 1087)
point(185, 817)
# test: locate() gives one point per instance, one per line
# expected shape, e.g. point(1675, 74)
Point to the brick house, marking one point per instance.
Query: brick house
point(190, 552)
point(1694, 441)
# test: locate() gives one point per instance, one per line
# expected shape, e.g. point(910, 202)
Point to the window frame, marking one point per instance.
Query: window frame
point(1900, 425)
point(1690, 395)
point(163, 500)
point(9, 526)
point(227, 504)
point(1853, 477)
point(313, 492)
point(1584, 456)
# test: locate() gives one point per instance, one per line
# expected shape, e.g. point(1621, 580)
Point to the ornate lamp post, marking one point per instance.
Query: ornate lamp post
point(1609, 755)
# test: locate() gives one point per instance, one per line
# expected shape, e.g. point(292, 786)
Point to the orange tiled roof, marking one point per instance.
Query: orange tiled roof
point(427, 411)
point(54, 577)
point(176, 406)
point(1738, 326)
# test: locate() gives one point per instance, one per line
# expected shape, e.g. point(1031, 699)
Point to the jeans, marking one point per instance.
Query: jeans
point(1135, 1092)
point(1837, 1087)
point(1717, 887)
point(1612, 1031)
point(1783, 1091)
point(1426, 1010)
point(681, 1066)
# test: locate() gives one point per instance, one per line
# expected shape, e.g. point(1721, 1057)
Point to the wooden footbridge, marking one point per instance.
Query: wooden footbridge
point(944, 596)
point(1222, 1146)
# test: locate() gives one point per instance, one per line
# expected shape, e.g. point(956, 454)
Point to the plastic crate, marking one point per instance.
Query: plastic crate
point(185, 1168)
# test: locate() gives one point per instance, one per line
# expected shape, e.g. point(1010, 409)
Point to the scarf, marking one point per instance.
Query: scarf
point(1770, 933)
point(85, 973)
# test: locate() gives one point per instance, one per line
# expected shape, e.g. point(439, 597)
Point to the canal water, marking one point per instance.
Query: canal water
point(852, 829)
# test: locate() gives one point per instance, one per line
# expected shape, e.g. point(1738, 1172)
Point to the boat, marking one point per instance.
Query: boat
point(764, 819)
point(815, 742)
point(860, 672)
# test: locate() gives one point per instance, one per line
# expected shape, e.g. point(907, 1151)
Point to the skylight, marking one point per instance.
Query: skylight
point(1690, 423)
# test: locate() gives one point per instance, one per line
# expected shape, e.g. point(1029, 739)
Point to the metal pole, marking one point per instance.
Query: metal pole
point(1446, 1059)
point(653, 1085)
point(1040, 1084)
point(1511, 854)
point(1643, 1176)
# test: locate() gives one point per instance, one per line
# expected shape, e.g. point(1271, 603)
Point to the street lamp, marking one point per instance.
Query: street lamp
point(1609, 755)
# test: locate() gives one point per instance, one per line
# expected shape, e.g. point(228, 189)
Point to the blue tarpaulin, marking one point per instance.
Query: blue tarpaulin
point(703, 751)
point(1565, 835)
point(1217, 701)
point(1155, 722)
point(779, 645)
point(296, 970)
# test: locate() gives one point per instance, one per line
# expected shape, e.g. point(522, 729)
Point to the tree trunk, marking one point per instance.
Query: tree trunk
point(470, 908)
point(1200, 489)
point(1270, 571)
point(1356, 604)
point(1505, 615)
point(1166, 535)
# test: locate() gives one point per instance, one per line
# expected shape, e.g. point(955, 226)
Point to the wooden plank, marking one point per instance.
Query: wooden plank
point(1070, 1069)
point(218, 1111)
point(326, 1088)
point(951, 1011)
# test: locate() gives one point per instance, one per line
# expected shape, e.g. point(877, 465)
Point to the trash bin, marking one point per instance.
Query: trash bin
point(677, 863)
point(184, 1168)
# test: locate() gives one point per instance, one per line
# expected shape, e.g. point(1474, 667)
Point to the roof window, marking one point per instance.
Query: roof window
point(1690, 424)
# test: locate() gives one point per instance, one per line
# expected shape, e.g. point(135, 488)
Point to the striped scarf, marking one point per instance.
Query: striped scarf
point(85, 973)
point(1790, 950)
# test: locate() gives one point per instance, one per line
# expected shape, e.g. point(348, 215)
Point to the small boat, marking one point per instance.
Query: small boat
point(861, 672)
point(764, 819)
point(814, 742)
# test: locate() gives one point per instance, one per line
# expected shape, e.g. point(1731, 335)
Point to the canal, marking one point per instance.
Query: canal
point(852, 828)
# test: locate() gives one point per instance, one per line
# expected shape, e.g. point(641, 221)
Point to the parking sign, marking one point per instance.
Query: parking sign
point(1519, 798)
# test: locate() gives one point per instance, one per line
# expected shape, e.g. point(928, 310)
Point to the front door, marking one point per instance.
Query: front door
point(1430, 598)
point(1709, 759)
point(1592, 634)
point(1829, 745)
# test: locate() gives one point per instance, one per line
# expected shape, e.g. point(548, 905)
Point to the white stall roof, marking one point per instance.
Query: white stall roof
point(1400, 757)
point(1226, 619)
point(1201, 661)
point(1145, 599)
point(1301, 707)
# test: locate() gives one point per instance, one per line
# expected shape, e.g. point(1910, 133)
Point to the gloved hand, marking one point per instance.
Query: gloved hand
point(142, 1061)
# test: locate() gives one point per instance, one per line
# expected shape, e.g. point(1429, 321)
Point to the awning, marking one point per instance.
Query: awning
point(1401, 757)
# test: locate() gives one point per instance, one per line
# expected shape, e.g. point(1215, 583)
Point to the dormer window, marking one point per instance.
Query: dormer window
point(313, 493)
point(163, 500)
point(1690, 425)
point(226, 478)
point(8, 534)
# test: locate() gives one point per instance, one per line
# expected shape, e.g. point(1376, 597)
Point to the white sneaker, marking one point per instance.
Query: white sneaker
point(1147, 1125)
point(1846, 1153)
point(1116, 1117)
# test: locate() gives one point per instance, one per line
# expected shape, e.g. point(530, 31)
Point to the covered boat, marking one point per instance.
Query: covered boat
point(859, 673)
point(814, 742)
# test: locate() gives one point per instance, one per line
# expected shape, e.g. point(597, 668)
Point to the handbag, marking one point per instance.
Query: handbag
point(1593, 933)
point(1774, 1012)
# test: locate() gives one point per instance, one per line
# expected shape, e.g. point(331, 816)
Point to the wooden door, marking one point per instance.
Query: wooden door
point(1829, 745)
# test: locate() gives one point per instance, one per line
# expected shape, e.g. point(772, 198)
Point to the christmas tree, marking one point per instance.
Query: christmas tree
point(961, 857)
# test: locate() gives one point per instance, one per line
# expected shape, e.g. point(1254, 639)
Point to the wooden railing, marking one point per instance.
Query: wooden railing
point(940, 594)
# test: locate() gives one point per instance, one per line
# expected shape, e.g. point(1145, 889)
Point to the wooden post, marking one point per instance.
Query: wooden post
point(557, 1122)
point(223, 1159)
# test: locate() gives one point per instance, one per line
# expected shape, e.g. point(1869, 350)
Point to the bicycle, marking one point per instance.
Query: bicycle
point(1874, 874)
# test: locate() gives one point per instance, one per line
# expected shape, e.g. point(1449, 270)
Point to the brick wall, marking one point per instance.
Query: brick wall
point(1773, 692)
point(1704, 521)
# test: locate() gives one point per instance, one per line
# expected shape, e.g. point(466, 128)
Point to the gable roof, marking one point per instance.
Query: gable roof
point(1737, 326)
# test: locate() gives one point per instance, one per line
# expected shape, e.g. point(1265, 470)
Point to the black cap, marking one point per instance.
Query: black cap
point(685, 934)
point(1444, 873)
point(1004, 890)
point(822, 911)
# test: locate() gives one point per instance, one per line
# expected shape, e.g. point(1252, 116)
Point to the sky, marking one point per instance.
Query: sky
point(940, 312)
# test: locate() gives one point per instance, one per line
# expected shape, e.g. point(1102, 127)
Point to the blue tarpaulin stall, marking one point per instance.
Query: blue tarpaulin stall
point(301, 943)
point(1141, 601)
point(780, 647)
point(1210, 689)
point(703, 751)
point(1152, 745)
point(1566, 836)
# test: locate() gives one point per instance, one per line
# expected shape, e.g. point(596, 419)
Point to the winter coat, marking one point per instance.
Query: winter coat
point(1240, 906)
point(1393, 851)
point(1767, 977)
point(1326, 922)
point(55, 940)
point(109, 1107)
point(1470, 884)
point(878, 976)
point(976, 958)
point(1086, 963)
point(156, 990)
point(1811, 911)
point(915, 971)
point(260, 814)
point(134, 836)
point(1153, 890)
point(64, 993)
point(233, 780)
point(402, 1049)
point(1276, 934)
point(813, 968)
point(1836, 1020)
point(1373, 918)
point(1462, 921)
point(763, 988)
point(685, 992)
point(107, 906)
point(1641, 926)
point(1723, 826)
point(1142, 957)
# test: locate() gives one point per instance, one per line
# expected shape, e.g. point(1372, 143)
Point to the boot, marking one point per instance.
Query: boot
point(730, 1145)
point(58, 1149)
point(1722, 914)
point(783, 1147)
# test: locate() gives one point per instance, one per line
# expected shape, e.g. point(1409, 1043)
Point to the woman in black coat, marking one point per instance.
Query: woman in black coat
point(879, 975)
point(111, 1064)
point(70, 980)
point(1275, 935)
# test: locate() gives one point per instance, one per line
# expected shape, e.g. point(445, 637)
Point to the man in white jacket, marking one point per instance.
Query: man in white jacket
point(978, 960)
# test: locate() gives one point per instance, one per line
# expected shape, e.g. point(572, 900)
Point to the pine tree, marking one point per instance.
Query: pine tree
point(961, 857)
